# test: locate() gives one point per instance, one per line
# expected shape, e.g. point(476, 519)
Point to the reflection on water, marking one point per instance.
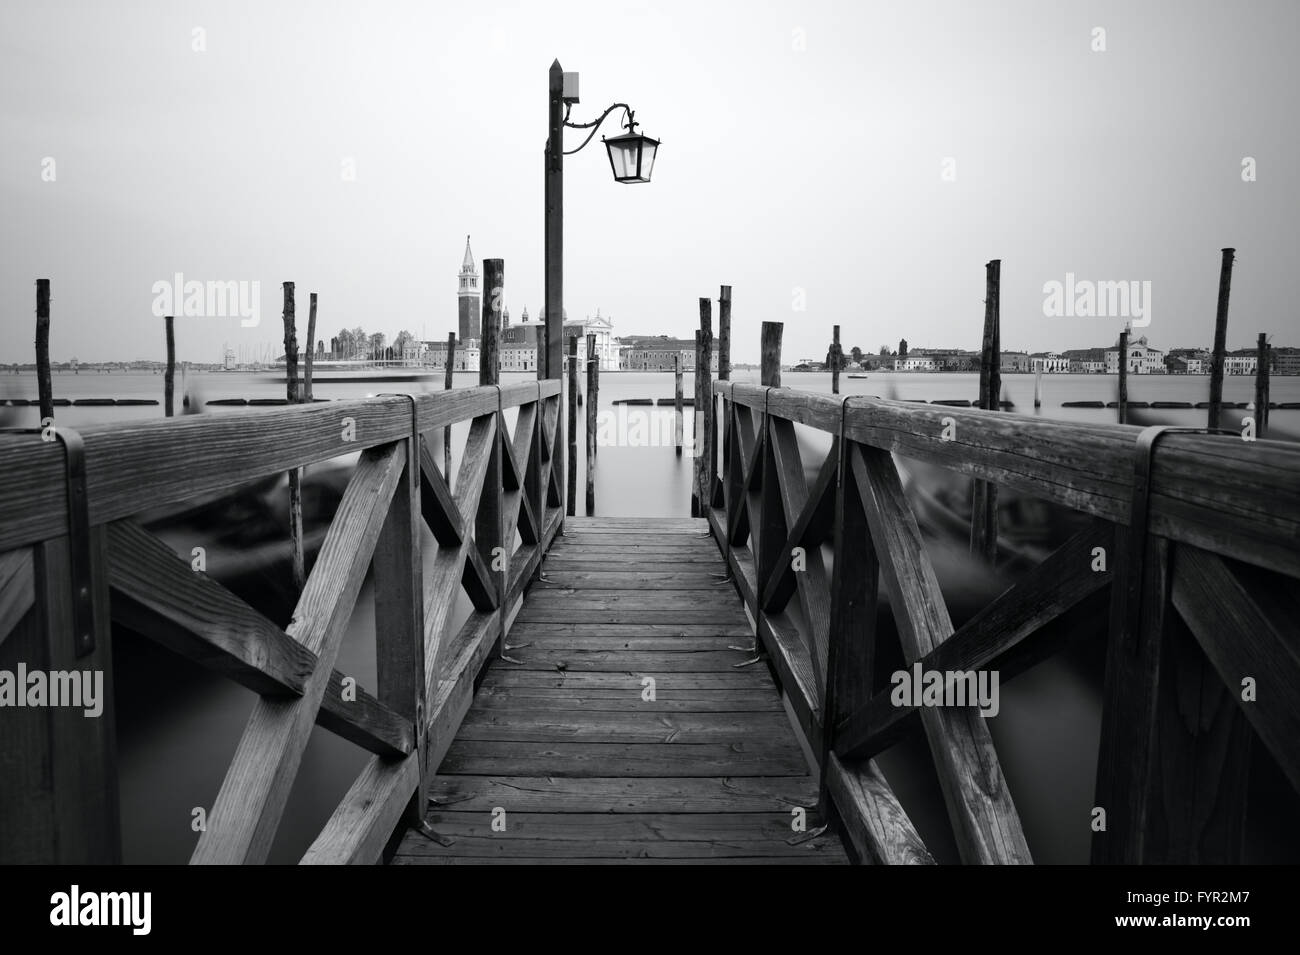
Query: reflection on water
point(179, 725)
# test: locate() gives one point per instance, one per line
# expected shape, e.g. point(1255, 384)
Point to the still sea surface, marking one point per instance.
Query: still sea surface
point(178, 725)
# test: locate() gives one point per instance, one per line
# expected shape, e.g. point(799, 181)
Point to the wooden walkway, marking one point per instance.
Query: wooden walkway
point(565, 757)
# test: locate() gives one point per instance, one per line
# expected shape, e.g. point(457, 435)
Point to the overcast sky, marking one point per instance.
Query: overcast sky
point(802, 161)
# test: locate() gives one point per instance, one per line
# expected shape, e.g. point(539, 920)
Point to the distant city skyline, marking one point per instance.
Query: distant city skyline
point(834, 164)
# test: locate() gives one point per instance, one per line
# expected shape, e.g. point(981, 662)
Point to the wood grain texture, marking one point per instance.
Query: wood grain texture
point(983, 816)
point(1239, 499)
point(562, 735)
point(874, 820)
point(247, 810)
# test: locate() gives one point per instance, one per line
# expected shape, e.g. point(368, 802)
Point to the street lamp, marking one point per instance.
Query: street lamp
point(631, 159)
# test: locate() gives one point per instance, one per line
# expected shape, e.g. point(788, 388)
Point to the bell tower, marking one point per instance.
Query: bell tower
point(468, 299)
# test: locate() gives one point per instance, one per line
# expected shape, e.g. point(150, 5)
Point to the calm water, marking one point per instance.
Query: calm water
point(178, 725)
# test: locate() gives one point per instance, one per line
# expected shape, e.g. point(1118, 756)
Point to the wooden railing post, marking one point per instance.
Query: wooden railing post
point(855, 578)
point(1122, 403)
point(43, 383)
point(705, 465)
point(984, 495)
point(572, 474)
point(169, 375)
point(1220, 339)
point(489, 534)
point(398, 570)
point(679, 424)
point(834, 360)
point(722, 424)
point(295, 474)
point(771, 529)
point(593, 391)
point(1261, 386)
point(307, 395)
point(446, 385)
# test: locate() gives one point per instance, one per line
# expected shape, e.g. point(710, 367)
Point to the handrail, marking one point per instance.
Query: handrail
point(425, 674)
point(1222, 522)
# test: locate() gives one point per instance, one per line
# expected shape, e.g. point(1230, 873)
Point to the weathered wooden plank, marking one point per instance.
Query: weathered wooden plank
point(17, 588)
point(617, 631)
point(808, 531)
point(762, 699)
point(82, 750)
point(980, 807)
point(739, 758)
point(629, 614)
point(550, 722)
point(247, 810)
point(811, 582)
point(595, 640)
point(629, 681)
point(1245, 624)
point(597, 659)
point(718, 600)
point(1006, 635)
point(817, 859)
point(1217, 492)
point(609, 580)
point(156, 594)
point(770, 831)
point(873, 818)
point(448, 564)
point(616, 794)
point(1125, 759)
point(360, 827)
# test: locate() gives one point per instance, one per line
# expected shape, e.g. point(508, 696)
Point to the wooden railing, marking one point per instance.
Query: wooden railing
point(73, 560)
point(1194, 535)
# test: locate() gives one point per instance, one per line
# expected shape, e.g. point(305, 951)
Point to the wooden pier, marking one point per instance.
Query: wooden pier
point(628, 722)
point(528, 732)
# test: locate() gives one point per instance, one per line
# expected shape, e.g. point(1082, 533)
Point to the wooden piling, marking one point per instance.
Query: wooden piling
point(489, 524)
point(295, 474)
point(835, 360)
point(169, 375)
point(984, 495)
point(1220, 339)
point(43, 383)
point(679, 426)
point(593, 389)
point(705, 465)
point(770, 354)
point(572, 482)
point(489, 363)
point(446, 384)
point(1038, 389)
point(724, 334)
point(311, 351)
point(1261, 386)
point(1123, 377)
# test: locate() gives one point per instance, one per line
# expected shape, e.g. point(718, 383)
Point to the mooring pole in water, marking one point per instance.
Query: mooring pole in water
point(295, 474)
point(311, 351)
point(1220, 339)
point(1122, 404)
point(1038, 389)
point(834, 361)
point(572, 482)
point(169, 375)
point(593, 389)
point(489, 526)
point(1261, 386)
point(446, 385)
point(43, 384)
point(984, 495)
point(705, 466)
point(677, 401)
